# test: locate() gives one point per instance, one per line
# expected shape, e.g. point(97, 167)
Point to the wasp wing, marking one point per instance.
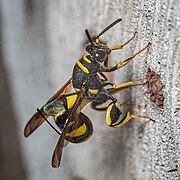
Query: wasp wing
point(36, 120)
point(62, 90)
point(62, 142)
point(73, 116)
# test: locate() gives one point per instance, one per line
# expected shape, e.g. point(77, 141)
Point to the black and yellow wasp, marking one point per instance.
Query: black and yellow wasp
point(91, 86)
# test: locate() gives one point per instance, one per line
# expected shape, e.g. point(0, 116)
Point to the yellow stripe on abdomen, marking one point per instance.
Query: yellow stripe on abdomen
point(78, 132)
point(71, 100)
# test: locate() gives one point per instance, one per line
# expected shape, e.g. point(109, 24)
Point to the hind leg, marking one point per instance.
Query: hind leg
point(102, 98)
point(124, 120)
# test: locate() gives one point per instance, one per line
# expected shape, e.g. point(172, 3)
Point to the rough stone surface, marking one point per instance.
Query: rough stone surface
point(155, 88)
point(43, 40)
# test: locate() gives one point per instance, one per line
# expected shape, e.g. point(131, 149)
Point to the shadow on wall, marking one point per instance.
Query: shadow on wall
point(10, 158)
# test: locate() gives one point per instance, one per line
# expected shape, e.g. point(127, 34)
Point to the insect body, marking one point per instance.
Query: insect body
point(86, 70)
point(91, 86)
point(60, 108)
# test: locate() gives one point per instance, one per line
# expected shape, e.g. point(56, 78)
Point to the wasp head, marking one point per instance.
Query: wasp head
point(98, 51)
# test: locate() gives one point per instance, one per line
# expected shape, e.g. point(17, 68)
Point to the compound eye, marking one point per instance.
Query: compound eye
point(100, 55)
point(89, 48)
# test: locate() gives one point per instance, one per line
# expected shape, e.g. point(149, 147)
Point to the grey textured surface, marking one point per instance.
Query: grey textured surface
point(43, 40)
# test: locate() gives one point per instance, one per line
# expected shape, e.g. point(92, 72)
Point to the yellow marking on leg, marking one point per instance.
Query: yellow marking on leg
point(128, 58)
point(122, 45)
point(108, 117)
point(124, 121)
point(123, 63)
point(108, 114)
point(86, 59)
point(82, 67)
point(93, 91)
point(146, 117)
point(128, 83)
point(120, 64)
point(117, 105)
point(127, 118)
point(116, 47)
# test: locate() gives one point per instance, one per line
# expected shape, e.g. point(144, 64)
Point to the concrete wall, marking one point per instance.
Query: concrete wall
point(42, 42)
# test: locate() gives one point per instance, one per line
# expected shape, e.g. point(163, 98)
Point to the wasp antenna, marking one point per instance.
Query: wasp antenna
point(88, 35)
point(108, 27)
point(47, 121)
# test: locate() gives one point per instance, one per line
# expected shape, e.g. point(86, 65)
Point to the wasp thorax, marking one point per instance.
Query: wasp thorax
point(98, 51)
point(54, 108)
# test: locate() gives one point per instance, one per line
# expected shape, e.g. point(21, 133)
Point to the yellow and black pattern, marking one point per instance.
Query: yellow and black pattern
point(91, 85)
point(123, 121)
point(86, 67)
point(68, 101)
point(80, 130)
point(113, 113)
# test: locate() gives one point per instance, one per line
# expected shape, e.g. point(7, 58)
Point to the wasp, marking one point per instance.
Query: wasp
point(90, 85)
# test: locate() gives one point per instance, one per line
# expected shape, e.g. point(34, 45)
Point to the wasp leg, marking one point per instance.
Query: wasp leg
point(94, 106)
point(112, 91)
point(100, 99)
point(113, 113)
point(113, 109)
point(124, 61)
point(124, 120)
point(104, 76)
point(128, 84)
point(124, 86)
point(125, 102)
point(106, 84)
point(122, 45)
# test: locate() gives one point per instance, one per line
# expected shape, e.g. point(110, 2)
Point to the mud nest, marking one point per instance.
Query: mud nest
point(155, 88)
